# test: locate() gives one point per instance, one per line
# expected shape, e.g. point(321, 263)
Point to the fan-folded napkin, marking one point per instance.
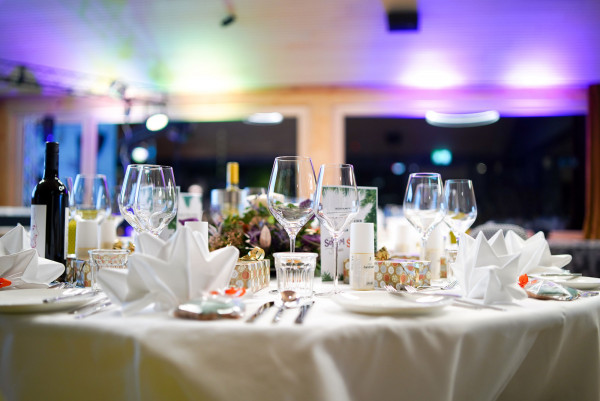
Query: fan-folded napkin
point(168, 273)
point(21, 264)
point(489, 269)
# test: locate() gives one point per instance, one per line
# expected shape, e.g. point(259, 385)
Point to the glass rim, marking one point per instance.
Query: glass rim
point(291, 158)
point(90, 176)
point(458, 180)
point(149, 166)
point(425, 175)
point(287, 254)
point(108, 251)
point(340, 165)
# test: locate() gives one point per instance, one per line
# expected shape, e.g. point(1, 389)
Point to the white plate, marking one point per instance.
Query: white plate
point(580, 283)
point(32, 300)
point(380, 302)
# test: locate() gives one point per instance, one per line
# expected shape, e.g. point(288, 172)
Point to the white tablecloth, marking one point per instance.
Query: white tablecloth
point(540, 350)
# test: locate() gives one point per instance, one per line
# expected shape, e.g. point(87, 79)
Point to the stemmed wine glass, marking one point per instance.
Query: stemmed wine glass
point(155, 202)
point(148, 198)
point(291, 189)
point(424, 204)
point(336, 203)
point(461, 209)
point(90, 197)
point(127, 196)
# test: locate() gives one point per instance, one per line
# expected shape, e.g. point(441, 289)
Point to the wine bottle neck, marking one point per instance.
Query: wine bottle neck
point(51, 164)
point(233, 175)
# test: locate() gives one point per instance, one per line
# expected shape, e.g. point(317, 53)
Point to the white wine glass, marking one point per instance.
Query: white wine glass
point(290, 193)
point(90, 197)
point(424, 205)
point(126, 198)
point(460, 205)
point(155, 200)
point(336, 204)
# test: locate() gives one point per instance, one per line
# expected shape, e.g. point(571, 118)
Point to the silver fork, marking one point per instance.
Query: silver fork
point(458, 300)
point(450, 285)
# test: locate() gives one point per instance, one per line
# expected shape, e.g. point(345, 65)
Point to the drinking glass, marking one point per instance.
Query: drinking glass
point(90, 199)
point(155, 201)
point(127, 196)
point(424, 204)
point(336, 203)
point(291, 189)
point(461, 209)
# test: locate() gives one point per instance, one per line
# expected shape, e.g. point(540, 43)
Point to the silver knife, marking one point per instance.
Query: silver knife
point(83, 293)
point(97, 308)
point(89, 305)
point(303, 311)
point(260, 311)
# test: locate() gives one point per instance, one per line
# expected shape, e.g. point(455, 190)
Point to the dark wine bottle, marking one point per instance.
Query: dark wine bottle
point(49, 211)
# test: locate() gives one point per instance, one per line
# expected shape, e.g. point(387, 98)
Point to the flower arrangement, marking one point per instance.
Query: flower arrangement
point(258, 227)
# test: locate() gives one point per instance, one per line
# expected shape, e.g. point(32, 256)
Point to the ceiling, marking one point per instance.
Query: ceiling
point(182, 46)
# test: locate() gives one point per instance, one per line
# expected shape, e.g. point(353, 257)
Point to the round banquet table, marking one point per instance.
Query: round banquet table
point(536, 350)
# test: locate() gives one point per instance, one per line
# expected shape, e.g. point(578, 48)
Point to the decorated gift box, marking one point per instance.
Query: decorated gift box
point(252, 271)
point(402, 271)
point(398, 270)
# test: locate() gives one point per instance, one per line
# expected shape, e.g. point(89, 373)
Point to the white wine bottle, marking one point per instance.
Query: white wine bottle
point(49, 211)
point(233, 194)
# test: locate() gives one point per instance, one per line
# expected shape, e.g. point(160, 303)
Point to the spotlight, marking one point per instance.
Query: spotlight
point(156, 122)
point(230, 19)
point(140, 154)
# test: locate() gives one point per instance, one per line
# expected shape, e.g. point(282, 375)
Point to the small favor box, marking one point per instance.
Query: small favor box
point(251, 274)
point(402, 271)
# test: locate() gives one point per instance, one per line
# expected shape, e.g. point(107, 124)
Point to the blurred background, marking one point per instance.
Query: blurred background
point(341, 80)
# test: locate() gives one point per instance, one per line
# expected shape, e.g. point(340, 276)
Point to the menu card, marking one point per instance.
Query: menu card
point(367, 213)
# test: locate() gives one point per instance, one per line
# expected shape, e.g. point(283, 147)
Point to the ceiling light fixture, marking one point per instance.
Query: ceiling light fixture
point(157, 121)
point(230, 18)
point(264, 118)
point(457, 120)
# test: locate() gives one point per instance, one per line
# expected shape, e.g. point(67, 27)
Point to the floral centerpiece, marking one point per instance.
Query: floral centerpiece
point(257, 227)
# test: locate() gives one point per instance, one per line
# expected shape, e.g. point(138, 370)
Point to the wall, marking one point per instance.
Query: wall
point(320, 113)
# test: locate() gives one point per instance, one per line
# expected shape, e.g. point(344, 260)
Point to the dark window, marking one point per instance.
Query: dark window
point(525, 170)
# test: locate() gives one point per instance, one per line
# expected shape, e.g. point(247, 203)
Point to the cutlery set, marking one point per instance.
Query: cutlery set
point(264, 307)
point(99, 302)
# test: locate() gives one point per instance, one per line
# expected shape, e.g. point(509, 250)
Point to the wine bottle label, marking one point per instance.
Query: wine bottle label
point(37, 233)
point(362, 271)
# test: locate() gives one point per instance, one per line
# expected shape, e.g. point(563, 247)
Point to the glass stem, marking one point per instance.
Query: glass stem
point(423, 255)
point(292, 242)
point(335, 264)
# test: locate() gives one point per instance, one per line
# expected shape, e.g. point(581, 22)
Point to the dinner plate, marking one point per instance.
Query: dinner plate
point(380, 302)
point(32, 300)
point(579, 283)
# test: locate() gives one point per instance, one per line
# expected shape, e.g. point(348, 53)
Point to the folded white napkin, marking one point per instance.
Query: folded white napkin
point(535, 254)
point(169, 273)
point(21, 264)
point(490, 269)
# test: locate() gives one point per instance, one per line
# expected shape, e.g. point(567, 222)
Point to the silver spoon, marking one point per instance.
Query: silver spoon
point(287, 296)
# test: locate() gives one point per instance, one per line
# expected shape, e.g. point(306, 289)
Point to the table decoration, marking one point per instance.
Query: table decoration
point(252, 271)
point(489, 269)
point(535, 256)
point(395, 270)
point(367, 213)
point(168, 273)
point(257, 227)
point(20, 265)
